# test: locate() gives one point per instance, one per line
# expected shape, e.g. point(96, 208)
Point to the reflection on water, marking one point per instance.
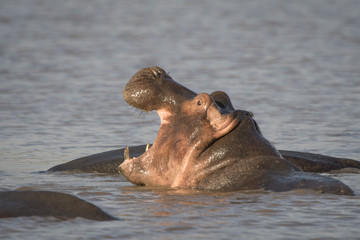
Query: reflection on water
point(63, 65)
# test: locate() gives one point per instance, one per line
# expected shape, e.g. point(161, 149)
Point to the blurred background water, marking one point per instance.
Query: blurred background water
point(63, 65)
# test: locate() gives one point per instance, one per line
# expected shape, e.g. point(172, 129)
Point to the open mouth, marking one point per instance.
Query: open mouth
point(190, 124)
point(225, 123)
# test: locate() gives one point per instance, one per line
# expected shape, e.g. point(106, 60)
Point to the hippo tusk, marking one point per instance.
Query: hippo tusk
point(147, 147)
point(126, 153)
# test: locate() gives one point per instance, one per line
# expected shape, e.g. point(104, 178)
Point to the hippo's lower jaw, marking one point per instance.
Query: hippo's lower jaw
point(166, 163)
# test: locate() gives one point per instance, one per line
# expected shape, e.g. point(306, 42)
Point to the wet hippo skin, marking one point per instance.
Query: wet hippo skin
point(204, 143)
point(47, 203)
point(106, 162)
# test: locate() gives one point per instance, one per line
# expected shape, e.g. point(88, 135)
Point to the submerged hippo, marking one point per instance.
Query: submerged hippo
point(48, 203)
point(203, 143)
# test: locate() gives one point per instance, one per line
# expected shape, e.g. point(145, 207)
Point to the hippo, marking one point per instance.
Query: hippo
point(48, 203)
point(153, 85)
point(204, 143)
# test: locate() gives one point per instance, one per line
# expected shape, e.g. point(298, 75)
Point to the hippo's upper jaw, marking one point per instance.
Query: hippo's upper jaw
point(152, 89)
point(190, 123)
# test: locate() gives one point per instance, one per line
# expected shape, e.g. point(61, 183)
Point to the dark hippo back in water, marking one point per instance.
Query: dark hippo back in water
point(48, 204)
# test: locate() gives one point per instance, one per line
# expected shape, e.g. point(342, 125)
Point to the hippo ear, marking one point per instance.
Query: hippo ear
point(222, 100)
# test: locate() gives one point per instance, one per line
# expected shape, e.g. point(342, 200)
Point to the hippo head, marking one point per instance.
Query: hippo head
point(204, 143)
point(190, 124)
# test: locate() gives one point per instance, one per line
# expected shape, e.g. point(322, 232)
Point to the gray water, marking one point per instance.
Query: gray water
point(63, 65)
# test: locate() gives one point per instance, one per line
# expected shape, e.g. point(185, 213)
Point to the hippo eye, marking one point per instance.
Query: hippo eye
point(199, 103)
point(156, 72)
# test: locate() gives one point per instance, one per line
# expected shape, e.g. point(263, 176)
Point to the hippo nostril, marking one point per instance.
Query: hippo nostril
point(199, 103)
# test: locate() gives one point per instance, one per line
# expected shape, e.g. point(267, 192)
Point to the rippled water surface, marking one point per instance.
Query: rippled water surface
point(63, 65)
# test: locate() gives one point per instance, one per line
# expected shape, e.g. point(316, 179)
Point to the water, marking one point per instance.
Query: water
point(63, 65)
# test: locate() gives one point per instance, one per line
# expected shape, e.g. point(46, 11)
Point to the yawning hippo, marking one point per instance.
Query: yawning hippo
point(203, 143)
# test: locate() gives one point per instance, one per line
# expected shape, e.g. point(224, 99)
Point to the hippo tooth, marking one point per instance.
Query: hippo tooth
point(126, 153)
point(147, 147)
